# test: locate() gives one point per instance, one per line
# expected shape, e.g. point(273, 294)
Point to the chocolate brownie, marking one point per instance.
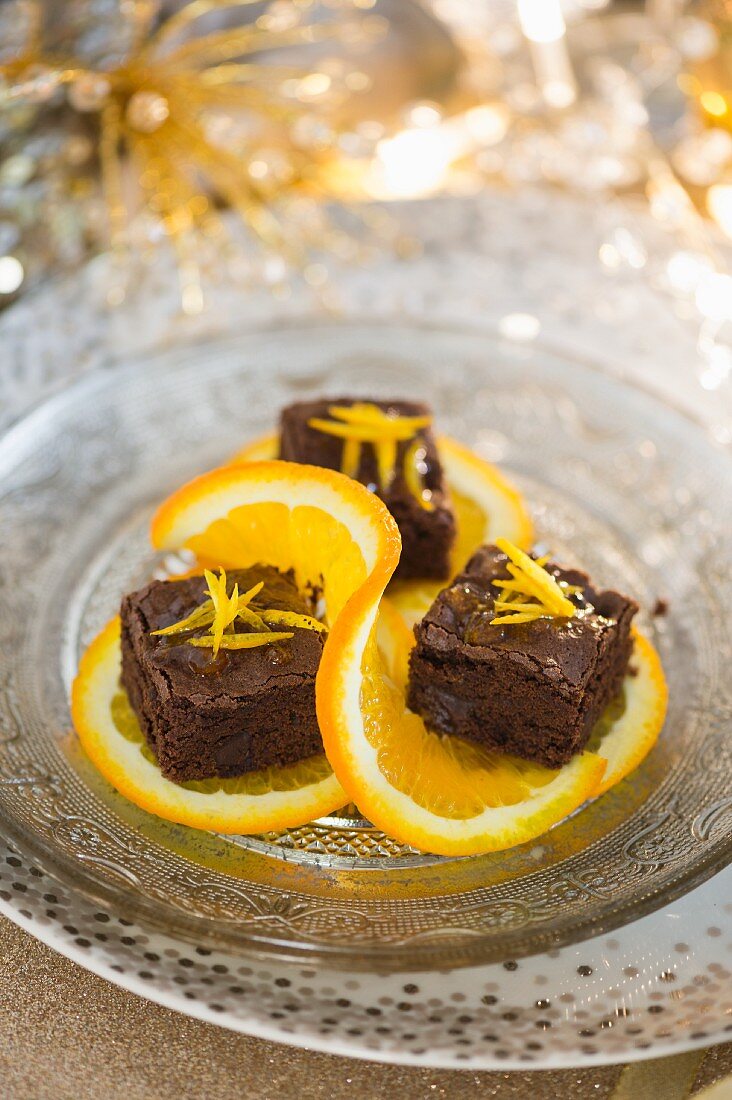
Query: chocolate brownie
point(532, 689)
point(427, 535)
point(243, 710)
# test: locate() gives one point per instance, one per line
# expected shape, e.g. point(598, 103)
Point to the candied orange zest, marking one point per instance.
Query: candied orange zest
point(202, 616)
point(252, 620)
point(414, 468)
point(386, 455)
point(364, 422)
point(225, 607)
point(292, 618)
point(251, 593)
point(364, 433)
point(532, 593)
point(245, 613)
point(519, 617)
point(239, 641)
point(351, 457)
point(364, 412)
point(219, 611)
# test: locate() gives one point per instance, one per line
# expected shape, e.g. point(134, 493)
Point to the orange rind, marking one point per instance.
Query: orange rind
point(628, 732)
point(434, 792)
point(275, 798)
point(449, 796)
point(486, 507)
point(337, 537)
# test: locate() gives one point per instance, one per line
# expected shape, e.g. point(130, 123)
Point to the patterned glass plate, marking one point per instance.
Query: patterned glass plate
point(618, 482)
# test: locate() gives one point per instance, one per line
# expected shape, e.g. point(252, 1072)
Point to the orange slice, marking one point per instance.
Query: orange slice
point(274, 798)
point(259, 449)
point(486, 507)
point(334, 533)
point(437, 793)
point(621, 740)
point(629, 729)
point(337, 536)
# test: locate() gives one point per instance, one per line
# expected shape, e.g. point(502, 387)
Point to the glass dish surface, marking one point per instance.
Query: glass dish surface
point(618, 482)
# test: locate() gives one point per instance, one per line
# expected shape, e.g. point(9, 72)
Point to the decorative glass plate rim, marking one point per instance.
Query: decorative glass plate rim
point(552, 345)
point(475, 953)
point(191, 929)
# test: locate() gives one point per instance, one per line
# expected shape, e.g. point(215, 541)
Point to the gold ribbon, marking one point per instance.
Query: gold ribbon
point(155, 110)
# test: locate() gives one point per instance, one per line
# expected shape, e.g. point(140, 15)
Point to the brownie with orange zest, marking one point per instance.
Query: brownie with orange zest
point(388, 446)
point(516, 680)
point(222, 715)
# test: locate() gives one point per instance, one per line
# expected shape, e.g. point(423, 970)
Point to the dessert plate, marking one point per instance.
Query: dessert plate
point(656, 987)
point(617, 481)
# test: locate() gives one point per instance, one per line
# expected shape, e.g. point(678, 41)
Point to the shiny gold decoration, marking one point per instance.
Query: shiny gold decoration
point(195, 116)
point(147, 111)
point(709, 79)
point(89, 92)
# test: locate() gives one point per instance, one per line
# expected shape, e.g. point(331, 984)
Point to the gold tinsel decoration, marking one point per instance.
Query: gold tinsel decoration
point(167, 116)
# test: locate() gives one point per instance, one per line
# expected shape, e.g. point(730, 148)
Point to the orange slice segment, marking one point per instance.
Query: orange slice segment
point(630, 727)
point(437, 793)
point(274, 798)
point(486, 507)
point(337, 537)
point(623, 736)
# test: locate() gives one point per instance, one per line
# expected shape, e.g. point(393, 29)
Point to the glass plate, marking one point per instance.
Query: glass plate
point(618, 482)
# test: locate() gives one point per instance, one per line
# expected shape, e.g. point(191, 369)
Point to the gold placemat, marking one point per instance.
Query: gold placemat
point(67, 1035)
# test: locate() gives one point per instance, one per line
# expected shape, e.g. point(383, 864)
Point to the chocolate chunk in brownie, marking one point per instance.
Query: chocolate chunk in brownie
point(237, 713)
point(427, 533)
point(532, 689)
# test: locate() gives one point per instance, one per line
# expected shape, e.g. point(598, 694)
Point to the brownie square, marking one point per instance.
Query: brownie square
point(534, 689)
point(243, 711)
point(427, 536)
